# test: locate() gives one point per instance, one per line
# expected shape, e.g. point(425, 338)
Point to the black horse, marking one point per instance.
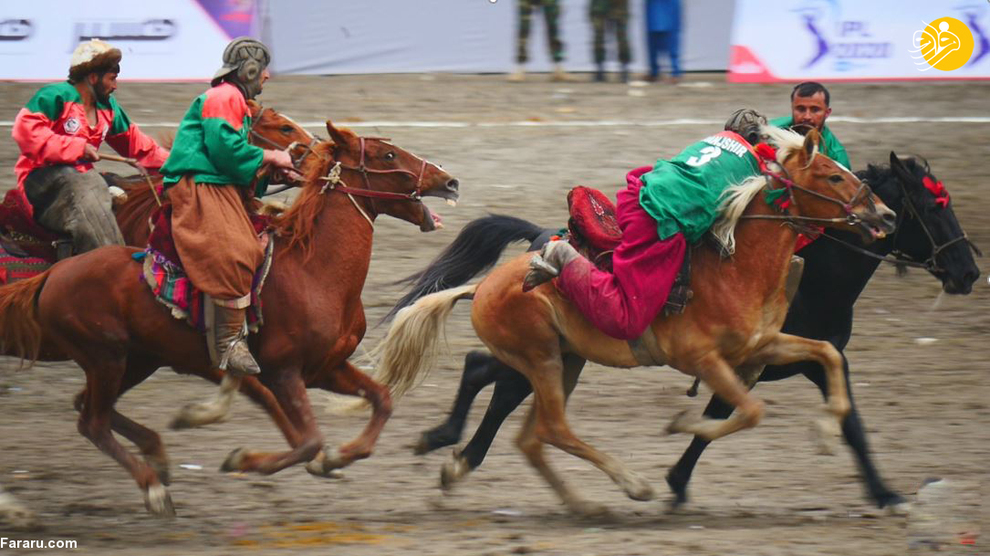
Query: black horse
point(836, 271)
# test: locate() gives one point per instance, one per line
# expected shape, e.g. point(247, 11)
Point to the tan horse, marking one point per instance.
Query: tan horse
point(732, 322)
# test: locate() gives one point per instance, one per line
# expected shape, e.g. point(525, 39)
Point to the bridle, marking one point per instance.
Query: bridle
point(862, 195)
point(335, 183)
point(902, 259)
point(257, 137)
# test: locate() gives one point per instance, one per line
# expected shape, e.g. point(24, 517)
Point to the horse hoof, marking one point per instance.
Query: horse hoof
point(158, 501)
point(234, 461)
point(901, 509)
point(453, 471)
point(636, 487)
point(318, 467)
point(680, 493)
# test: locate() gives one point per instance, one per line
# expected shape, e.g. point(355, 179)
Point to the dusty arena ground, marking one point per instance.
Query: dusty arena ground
point(761, 492)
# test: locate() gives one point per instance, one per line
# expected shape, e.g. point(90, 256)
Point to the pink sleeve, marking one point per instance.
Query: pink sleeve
point(33, 134)
point(133, 143)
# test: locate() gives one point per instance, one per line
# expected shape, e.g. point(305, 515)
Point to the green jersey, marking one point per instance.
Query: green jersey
point(683, 194)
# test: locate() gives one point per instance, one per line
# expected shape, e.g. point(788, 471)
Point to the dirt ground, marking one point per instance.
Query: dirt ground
point(761, 492)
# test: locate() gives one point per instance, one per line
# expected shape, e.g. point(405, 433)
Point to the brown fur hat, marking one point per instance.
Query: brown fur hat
point(93, 56)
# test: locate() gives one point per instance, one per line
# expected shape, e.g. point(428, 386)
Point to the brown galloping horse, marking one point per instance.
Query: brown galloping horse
point(86, 309)
point(732, 322)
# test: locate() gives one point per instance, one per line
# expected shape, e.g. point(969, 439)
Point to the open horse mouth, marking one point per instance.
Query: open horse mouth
point(432, 221)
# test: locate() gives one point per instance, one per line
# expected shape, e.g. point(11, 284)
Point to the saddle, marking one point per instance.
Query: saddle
point(162, 270)
point(593, 230)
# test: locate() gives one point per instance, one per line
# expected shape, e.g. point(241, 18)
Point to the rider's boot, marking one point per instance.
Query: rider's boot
point(226, 330)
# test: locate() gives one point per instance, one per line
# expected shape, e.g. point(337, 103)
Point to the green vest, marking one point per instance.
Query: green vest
point(683, 194)
point(830, 147)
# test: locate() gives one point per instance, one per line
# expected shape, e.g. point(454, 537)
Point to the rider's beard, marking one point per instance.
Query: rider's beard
point(101, 93)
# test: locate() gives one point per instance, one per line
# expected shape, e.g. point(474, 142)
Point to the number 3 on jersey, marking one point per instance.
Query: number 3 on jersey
point(707, 153)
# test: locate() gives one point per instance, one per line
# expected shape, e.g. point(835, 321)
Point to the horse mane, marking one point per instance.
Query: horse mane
point(737, 197)
point(298, 223)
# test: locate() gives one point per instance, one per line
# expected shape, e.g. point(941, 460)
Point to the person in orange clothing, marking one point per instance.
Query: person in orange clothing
point(60, 131)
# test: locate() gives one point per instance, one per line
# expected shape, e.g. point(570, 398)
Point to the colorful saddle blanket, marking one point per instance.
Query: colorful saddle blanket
point(162, 271)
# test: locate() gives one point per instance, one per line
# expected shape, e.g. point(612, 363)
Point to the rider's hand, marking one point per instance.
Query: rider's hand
point(90, 153)
point(280, 159)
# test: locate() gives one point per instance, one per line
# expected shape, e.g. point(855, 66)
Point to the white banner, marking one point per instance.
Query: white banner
point(400, 36)
point(161, 41)
point(835, 40)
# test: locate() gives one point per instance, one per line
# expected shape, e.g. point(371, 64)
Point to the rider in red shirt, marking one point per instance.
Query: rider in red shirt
point(60, 131)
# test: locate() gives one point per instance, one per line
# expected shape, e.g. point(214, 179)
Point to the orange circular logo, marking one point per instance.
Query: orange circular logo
point(945, 44)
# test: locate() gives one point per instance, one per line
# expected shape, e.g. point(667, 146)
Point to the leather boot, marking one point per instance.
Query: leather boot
point(226, 329)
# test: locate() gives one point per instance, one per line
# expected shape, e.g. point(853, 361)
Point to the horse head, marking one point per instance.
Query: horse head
point(389, 180)
point(272, 130)
point(928, 231)
point(823, 191)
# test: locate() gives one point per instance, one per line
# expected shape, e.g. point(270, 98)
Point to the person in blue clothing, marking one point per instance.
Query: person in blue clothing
point(663, 26)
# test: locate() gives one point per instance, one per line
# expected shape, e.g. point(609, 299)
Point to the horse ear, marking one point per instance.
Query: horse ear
point(900, 170)
point(811, 141)
point(340, 136)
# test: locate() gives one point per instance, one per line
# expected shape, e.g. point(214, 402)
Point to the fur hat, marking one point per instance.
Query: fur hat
point(93, 56)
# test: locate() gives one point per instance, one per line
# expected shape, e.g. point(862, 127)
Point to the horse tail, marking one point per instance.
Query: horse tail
point(475, 250)
point(20, 331)
point(413, 340)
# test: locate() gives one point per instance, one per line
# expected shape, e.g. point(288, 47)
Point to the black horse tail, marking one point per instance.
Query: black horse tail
point(475, 250)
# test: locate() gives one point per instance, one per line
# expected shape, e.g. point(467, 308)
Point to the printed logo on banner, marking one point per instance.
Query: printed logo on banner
point(123, 30)
point(945, 44)
point(15, 29)
point(848, 44)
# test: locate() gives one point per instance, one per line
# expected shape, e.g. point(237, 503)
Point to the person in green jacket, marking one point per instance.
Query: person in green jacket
point(209, 176)
point(809, 109)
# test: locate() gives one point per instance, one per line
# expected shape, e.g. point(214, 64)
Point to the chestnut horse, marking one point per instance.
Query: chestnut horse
point(733, 320)
point(85, 308)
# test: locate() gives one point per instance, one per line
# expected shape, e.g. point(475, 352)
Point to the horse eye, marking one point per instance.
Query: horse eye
point(836, 178)
point(390, 156)
point(287, 129)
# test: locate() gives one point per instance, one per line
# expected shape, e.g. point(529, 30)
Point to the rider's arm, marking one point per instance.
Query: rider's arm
point(131, 142)
point(34, 132)
point(226, 143)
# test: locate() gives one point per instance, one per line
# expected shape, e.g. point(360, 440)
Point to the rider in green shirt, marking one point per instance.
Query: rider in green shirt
point(809, 109)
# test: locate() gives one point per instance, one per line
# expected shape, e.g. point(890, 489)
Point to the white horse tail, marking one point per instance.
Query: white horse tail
point(409, 350)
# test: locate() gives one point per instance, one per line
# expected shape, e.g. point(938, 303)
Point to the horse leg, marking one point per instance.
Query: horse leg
point(198, 414)
point(147, 440)
point(348, 380)
point(290, 391)
point(855, 436)
point(511, 388)
point(479, 371)
point(680, 474)
point(787, 348)
point(547, 424)
point(726, 384)
point(103, 384)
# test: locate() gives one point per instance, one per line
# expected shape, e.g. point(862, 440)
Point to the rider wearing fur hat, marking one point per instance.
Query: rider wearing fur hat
point(60, 131)
point(209, 176)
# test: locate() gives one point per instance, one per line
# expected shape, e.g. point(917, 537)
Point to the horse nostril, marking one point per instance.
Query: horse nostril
point(453, 185)
point(890, 217)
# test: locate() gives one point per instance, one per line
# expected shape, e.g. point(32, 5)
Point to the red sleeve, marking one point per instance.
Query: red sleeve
point(33, 134)
point(133, 143)
point(225, 102)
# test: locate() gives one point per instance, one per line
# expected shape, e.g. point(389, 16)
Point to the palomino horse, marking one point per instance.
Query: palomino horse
point(733, 320)
point(928, 235)
point(86, 309)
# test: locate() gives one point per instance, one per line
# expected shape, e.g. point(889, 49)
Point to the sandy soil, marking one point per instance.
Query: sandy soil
point(764, 491)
